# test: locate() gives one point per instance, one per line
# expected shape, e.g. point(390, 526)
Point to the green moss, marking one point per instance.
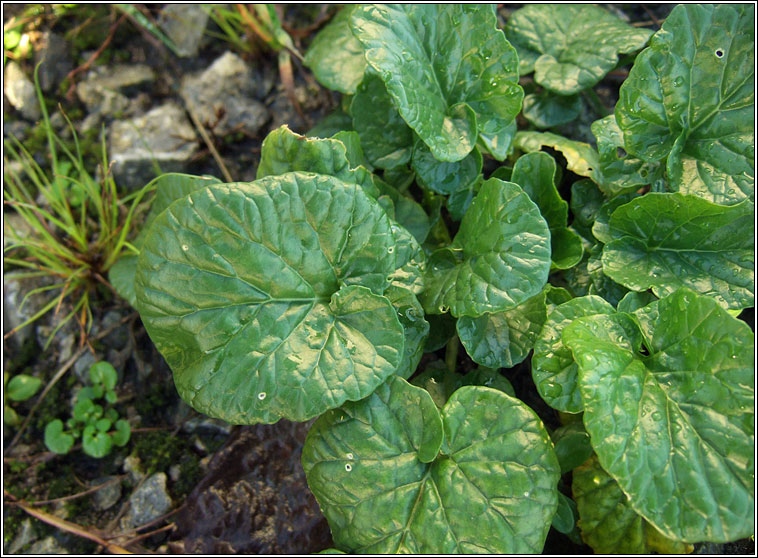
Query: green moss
point(158, 450)
point(189, 476)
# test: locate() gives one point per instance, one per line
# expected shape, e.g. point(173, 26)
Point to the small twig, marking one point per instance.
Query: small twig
point(138, 538)
point(59, 374)
point(78, 494)
point(147, 525)
point(209, 143)
point(72, 528)
point(91, 60)
point(451, 354)
point(642, 23)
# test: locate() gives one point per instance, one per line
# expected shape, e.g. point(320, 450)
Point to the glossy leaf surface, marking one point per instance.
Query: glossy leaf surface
point(546, 110)
point(499, 258)
point(441, 382)
point(260, 297)
point(674, 428)
point(664, 241)
point(416, 328)
point(553, 368)
point(503, 339)
point(450, 71)
point(443, 177)
point(581, 158)
point(375, 469)
point(621, 171)
point(608, 523)
point(336, 56)
point(535, 173)
point(570, 47)
point(689, 99)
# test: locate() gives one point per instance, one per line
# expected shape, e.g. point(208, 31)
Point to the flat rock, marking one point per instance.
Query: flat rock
point(164, 135)
point(184, 24)
point(106, 89)
point(222, 97)
point(19, 90)
point(148, 502)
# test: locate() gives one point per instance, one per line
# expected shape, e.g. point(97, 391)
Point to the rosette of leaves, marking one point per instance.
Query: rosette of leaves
point(100, 429)
point(570, 47)
point(291, 309)
point(393, 474)
point(689, 102)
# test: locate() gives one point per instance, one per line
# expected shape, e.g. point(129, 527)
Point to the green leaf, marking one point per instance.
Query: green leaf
point(634, 301)
point(601, 228)
point(83, 410)
point(56, 439)
point(353, 150)
point(608, 523)
point(111, 397)
point(94, 443)
point(570, 47)
point(443, 177)
point(555, 296)
point(621, 172)
point(441, 330)
point(284, 151)
point(553, 368)
point(675, 429)
point(546, 110)
point(336, 121)
point(103, 373)
point(586, 199)
point(103, 424)
point(581, 158)
point(572, 446)
point(386, 139)
point(122, 433)
point(664, 241)
point(335, 56)
point(535, 173)
point(169, 187)
point(491, 490)
point(22, 386)
point(448, 68)
point(258, 297)
point(564, 520)
point(459, 201)
point(602, 285)
point(10, 416)
point(499, 258)
point(689, 99)
point(503, 339)
point(416, 328)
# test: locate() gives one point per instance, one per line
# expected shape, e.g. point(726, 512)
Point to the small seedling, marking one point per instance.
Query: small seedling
point(98, 428)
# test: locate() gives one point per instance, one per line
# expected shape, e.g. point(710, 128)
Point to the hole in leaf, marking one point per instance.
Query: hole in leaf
point(620, 152)
point(719, 53)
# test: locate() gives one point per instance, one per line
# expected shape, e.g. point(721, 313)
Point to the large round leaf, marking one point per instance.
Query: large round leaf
point(499, 258)
point(690, 99)
point(553, 368)
point(608, 523)
point(251, 293)
point(674, 428)
point(665, 241)
point(570, 47)
point(375, 470)
point(449, 69)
